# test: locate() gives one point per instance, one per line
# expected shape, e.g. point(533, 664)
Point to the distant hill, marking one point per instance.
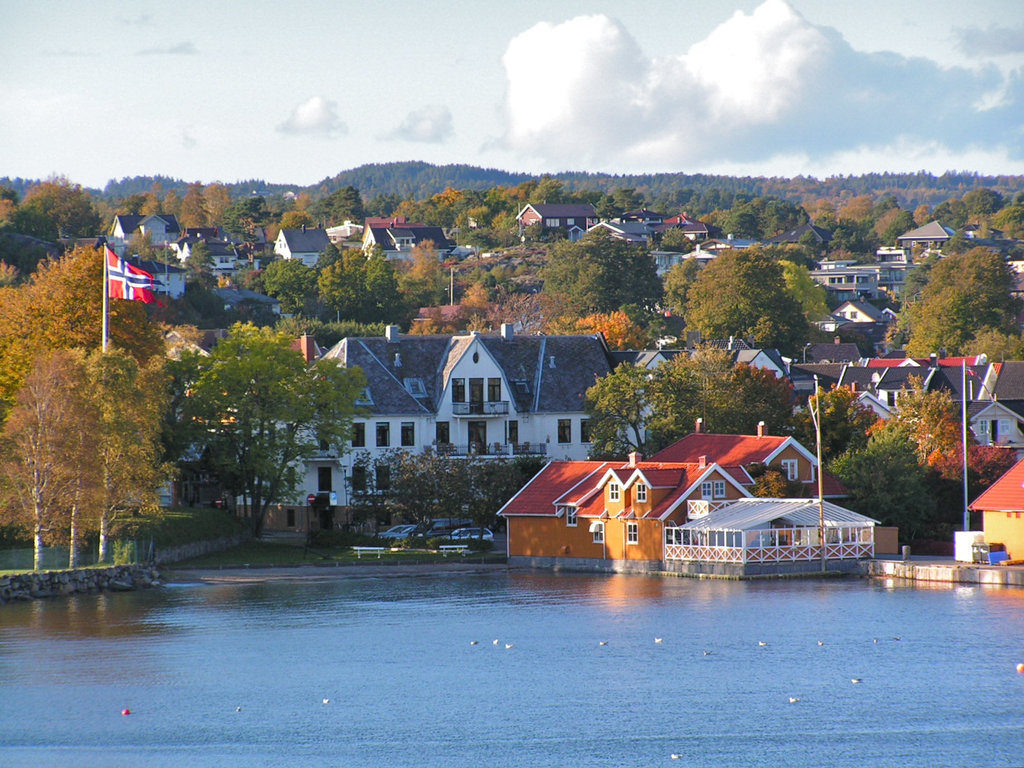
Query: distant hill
point(419, 180)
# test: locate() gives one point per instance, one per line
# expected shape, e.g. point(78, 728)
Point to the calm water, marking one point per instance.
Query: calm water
point(407, 688)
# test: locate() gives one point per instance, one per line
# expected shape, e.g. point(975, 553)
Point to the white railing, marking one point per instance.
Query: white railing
point(769, 545)
point(701, 507)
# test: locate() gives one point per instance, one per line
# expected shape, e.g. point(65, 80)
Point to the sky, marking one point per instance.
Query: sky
point(295, 92)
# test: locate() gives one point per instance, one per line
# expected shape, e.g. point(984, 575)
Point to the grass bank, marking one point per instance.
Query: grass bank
point(274, 554)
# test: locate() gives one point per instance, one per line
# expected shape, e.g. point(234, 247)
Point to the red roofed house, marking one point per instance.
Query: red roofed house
point(614, 516)
point(1002, 510)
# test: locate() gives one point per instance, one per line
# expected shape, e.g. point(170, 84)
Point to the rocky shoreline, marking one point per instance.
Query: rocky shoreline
point(42, 584)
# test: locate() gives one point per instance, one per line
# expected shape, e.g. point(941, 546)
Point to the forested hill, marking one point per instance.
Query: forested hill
point(419, 181)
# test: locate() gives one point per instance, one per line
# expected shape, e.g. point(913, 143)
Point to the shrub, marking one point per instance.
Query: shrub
point(479, 545)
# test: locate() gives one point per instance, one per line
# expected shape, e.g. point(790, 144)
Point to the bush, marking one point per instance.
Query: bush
point(341, 539)
point(436, 541)
point(479, 545)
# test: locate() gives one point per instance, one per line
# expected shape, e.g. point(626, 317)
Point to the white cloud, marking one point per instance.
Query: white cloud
point(316, 116)
point(763, 85)
point(429, 125)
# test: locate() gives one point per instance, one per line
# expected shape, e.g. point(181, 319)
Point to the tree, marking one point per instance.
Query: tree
point(245, 217)
point(965, 294)
point(59, 308)
point(194, 212)
point(129, 402)
point(678, 281)
point(601, 274)
point(801, 286)
point(929, 419)
point(845, 422)
point(342, 205)
point(46, 453)
point(55, 209)
point(291, 282)
point(295, 220)
point(619, 408)
point(619, 331)
point(199, 266)
point(743, 293)
point(423, 282)
point(886, 482)
point(260, 411)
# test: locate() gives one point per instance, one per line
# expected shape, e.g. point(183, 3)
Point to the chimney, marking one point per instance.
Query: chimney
point(307, 346)
point(391, 334)
point(634, 458)
point(398, 359)
point(698, 426)
point(760, 429)
point(507, 330)
point(933, 360)
point(853, 387)
point(702, 461)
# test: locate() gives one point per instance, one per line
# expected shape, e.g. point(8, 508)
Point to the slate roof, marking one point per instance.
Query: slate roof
point(827, 373)
point(308, 240)
point(388, 237)
point(833, 353)
point(544, 373)
point(1010, 382)
point(932, 231)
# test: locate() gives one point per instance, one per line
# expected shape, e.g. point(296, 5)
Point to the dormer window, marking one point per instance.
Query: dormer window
point(641, 493)
point(614, 492)
point(415, 387)
point(365, 398)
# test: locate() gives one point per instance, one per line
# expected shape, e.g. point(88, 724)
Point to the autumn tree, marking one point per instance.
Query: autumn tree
point(743, 293)
point(965, 295)
point(845, 422)
point(55, 209)
point(423, 282)
point(194, 212)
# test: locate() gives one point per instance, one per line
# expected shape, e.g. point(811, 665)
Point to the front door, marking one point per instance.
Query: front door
point(477, 436)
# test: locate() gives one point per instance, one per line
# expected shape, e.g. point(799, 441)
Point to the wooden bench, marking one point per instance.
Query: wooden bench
point(359, 551)
point(444, 549)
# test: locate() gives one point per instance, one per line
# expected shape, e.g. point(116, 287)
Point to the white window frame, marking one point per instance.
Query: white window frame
point(792, 468)
point(641, 493)
point(719, 489)
point(632, 533)
point(599, 533)
point(571, 520)
point(614, 492)
point(706, 490)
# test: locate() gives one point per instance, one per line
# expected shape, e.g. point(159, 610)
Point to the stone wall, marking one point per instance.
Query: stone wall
point(200, 548)
point(116, 578)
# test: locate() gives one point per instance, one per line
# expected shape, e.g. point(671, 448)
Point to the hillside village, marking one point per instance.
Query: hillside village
point(501, 330)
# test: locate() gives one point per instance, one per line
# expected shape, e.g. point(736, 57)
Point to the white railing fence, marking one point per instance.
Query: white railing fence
point(769, 545)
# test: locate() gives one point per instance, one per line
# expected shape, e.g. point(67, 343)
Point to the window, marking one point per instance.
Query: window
point(584, 430)
point(442, 434)
point(359, 435)
point(458, 390)
point(324, 479)
point(365, 398)
point(641, 493)
point(632, 533)
point(719, 490)
point(598, 530)
point(613, 492)
point(408, 433)
point(512, 432)
point(359, 479)
point(290, 522)
point(383, 472)
point(706, 490)
point(565, 430)
point(789, 466)
point(383, 434)
point(494, 390)
point(570, 516)
point(415, 387)
point(552, 223)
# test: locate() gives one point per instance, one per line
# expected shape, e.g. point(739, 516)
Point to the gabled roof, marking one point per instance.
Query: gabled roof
point(737, 450)
point(562, 210)
point(755, 513)
point(1004, 495)
point(833, 353)
point(1010, 384)
point(550, 486)
point(820, 234)
point(876, 314)
point(306, 240)
point(388, 238)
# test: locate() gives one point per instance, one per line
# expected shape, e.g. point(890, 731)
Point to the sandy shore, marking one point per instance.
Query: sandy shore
point(319, 572)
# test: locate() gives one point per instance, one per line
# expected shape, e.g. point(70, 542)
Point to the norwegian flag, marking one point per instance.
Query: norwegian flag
point(127, 282)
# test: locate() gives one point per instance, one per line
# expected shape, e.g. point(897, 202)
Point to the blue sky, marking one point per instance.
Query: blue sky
point(294, 92)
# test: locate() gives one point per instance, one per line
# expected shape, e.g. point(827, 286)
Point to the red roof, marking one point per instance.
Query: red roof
point(1004, 495)
point(729, 450)
point(554, 481)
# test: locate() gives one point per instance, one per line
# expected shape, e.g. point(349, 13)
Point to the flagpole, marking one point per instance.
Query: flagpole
point(106, 297)
point(963, 399)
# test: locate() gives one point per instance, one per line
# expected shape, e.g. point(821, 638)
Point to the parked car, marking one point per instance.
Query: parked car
point(472, 533)
point(443, 526)
point(397, 532)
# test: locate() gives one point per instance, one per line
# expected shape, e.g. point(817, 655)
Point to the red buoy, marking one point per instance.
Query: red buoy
point(126, 711)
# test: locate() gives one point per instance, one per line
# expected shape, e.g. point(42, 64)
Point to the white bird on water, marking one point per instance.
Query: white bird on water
point(762, 643)
point(474, 642)
point(708, 653)
point(495, 642)
point(509, 645)
point(794, 699)
point(603, 642)
point(820, 642)
point(657, 639)
point(674, 756)
point(855, 680)
point(327, 701)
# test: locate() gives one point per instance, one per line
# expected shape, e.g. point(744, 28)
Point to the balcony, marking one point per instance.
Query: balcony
point(491, 449)
point(481, 408)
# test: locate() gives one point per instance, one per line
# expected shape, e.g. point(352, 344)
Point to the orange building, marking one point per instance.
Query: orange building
point(1002, 509)
point(612, 515)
